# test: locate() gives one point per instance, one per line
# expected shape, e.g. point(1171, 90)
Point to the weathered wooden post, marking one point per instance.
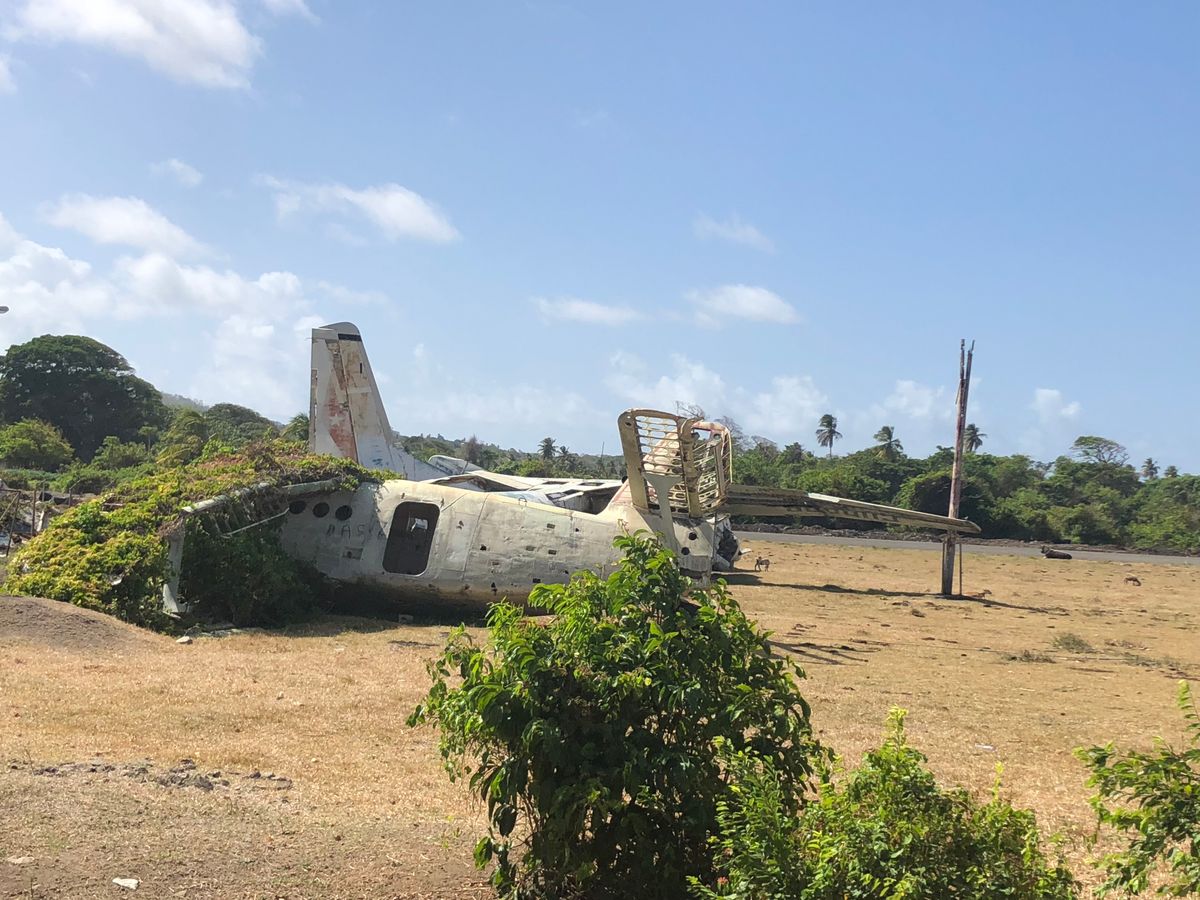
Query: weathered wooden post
point(960, 426)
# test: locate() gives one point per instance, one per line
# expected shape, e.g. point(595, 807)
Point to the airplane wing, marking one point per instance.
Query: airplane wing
point(752, 500)
point(689, 462)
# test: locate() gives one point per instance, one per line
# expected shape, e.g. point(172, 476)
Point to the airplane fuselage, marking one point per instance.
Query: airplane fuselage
point(422, 540)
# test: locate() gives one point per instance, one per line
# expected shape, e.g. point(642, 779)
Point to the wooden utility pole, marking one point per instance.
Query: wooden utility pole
point(960, 426)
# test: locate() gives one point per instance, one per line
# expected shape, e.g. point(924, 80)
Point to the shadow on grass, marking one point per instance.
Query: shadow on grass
point(928, 595)
point(826, 654)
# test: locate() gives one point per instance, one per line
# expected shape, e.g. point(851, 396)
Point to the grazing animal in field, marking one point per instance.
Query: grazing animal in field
point(762, 564)
point(1051, 553)
point(1134, 580)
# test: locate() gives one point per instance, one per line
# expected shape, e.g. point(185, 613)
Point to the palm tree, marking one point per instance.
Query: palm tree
point(827, 433)
point(1170, 472)
point(973, 438)
point(546, 448)
point(1149, 469)
point(296, 429)
point(889, 447)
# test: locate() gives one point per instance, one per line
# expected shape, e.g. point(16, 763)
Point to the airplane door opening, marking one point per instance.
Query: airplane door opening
point(410, 538)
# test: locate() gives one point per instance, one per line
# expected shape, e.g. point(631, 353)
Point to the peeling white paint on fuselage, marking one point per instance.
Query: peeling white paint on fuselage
point(483, 546)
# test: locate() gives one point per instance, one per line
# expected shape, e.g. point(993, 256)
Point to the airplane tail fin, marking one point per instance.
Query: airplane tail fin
point(346, 416)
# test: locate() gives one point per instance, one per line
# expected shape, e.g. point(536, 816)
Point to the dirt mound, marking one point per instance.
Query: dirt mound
point(52, 623)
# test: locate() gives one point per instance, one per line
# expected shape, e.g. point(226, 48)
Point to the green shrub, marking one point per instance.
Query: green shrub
point(26, 479)
point(110, 554)
point(34, 444)
point(888, 831)
point(246, 579)
point(595, 738)
point(1154, 798)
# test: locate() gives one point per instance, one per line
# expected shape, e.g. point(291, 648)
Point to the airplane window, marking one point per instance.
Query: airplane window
point(342, 513)
point(297, 506)
point(321, 510)
point(410, 538)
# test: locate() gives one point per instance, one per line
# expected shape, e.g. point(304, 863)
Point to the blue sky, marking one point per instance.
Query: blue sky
point(542, 213)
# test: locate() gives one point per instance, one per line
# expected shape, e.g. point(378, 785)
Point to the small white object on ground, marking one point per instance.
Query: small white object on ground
point(129, 884)
point(19, 860)
point(186, 639)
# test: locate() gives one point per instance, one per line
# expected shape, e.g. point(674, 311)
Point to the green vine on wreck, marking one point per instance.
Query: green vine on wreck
point(110, 554)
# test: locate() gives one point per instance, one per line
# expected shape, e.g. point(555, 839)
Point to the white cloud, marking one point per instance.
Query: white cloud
point(716, 307)
point(198, 41)
point(129, 221)
point(394, 209)
point(289, 8)
point(788, 410)
point(8, 84)
point(917, 401)
point(45, 289)
point(791, 407)
point(438, 398)
point(251, 333)
point(1051, 408)
point(186, 175)
point(733, 230)
point(586, 312)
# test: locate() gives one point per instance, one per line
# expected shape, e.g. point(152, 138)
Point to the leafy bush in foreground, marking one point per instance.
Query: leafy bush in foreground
point(110, 554)
point(596, 738)
point(888, 831)
point(1159, 793)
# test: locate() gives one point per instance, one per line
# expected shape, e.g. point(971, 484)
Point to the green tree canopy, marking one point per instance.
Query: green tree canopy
point(1093, 449)
point(238, 425)
point(84, 388)
point(34, 444)
point(185, 439)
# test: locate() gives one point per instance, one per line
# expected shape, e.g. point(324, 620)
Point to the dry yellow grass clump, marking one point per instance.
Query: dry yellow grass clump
point(128, 755)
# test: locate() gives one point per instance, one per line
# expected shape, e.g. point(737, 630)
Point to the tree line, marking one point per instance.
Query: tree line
point(1091, 494)
point(75, 416)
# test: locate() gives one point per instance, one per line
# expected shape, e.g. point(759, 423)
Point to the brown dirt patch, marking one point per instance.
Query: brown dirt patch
point(52, 623)
point(368, 811)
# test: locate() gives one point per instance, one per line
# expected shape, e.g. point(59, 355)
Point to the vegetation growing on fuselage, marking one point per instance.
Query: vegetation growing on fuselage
point(110, 553)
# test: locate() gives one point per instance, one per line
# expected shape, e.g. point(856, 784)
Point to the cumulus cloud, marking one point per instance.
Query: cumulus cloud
point(733, 230)
point(46, 289)
point(1052, 408)
point(440, 398)
point(395, 210)
point(128, 221)
point(198, 41)
point(586, 312)
point(789, 409)
point(186, 175)
point(720, 305)
point(8, 84)
point(251, 331)
point(918, 401)
point(687, 381)
point(289, 8)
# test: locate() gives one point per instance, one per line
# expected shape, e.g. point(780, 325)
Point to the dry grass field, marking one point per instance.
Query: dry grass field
point(269, 765)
